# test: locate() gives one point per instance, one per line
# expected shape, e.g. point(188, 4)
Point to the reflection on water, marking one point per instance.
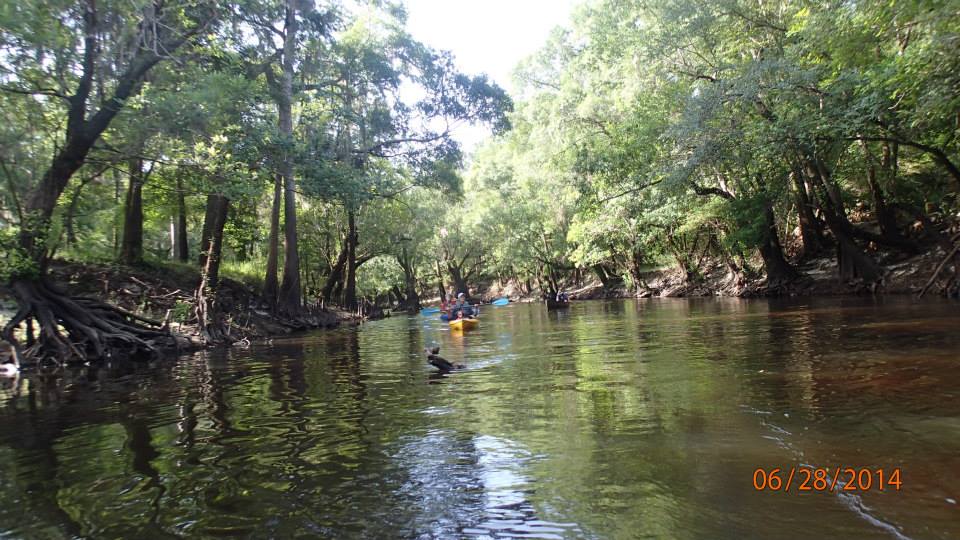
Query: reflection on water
point(608, 420)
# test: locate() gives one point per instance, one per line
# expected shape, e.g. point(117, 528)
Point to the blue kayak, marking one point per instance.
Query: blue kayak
point(501, 301)
point(429, 311)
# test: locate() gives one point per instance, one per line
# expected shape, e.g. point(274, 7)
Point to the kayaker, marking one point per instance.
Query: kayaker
point(462, 308)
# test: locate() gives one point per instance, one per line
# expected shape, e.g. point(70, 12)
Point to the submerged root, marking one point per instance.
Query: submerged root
point(81, 329)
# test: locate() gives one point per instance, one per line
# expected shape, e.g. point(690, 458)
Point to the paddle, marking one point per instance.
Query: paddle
point(501, 301)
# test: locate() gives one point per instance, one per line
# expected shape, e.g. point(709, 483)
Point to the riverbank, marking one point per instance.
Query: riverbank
point(818, 277)
point(165, 294)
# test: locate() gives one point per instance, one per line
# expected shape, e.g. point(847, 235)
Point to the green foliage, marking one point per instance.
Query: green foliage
point(644, 133)
point(182, 311)
point(14, 261)
point(378, 276)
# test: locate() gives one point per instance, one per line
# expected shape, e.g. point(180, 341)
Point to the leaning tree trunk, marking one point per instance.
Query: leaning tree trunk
point(350, 287)
point(270, 285)
point(853, 263)
point(209, 318)
point(83, 329)
point(779, 272)
point(336, 274)
point(605, 279)
point(398, 294)
point(131, 248)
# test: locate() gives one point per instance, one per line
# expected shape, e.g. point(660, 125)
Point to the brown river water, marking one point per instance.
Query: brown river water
point(619, 419)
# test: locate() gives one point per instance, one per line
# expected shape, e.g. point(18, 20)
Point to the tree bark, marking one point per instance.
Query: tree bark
point(401, 300)
point(350, 287)
point(886, 218)
point(779, 271)
point(289, 297)
point(70, 214)
point(852, 261)
point(181, 250)
point(811, 229)
point(218, 206)
point(209, 216)
point(270, 285)
point(459, 283)
point(208, 313)
point(440, 287)
point(410, 300)
point(131, 248)
point(336, 274)
point(81, 329)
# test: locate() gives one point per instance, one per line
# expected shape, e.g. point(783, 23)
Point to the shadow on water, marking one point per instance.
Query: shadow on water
point(617, 419)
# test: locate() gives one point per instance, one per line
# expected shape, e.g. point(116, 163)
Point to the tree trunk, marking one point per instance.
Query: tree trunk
point(552, 279)
point(181, 250)
point(635, 266)
point(411, 300)
point(401, 299)
point(604, 274)
point(131, 250)
point(853, 262)
point(336, 274)
point(456, 274)
point(350, 287)
point(173, 240)
point(208, 313)
point(886, 218)
point(70, 214)
point(289, 296)
point(440, 287)
point(779, 271)
point(270, 285)
point(209, 216)
point(811, 229)
point(81, 329)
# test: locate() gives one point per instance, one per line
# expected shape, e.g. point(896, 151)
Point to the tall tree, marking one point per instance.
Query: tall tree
point(102, 62)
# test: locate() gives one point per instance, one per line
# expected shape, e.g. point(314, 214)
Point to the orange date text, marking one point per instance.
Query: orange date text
point(802, 478)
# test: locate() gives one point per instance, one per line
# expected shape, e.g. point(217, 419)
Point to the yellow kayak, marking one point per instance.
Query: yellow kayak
point(464, 324)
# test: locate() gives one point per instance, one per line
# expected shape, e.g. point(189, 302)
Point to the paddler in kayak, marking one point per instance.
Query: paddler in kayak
point(462, 309)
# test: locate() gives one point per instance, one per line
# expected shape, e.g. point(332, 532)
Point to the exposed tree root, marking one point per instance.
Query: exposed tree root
point(946, 260)
point(81, 329)
point(213, 330)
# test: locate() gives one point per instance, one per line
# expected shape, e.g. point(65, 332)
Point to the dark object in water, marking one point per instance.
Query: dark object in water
point(554, 304)
point(439, 362)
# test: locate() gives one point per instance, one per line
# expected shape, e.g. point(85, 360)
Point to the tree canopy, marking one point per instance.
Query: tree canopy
point(308, 149)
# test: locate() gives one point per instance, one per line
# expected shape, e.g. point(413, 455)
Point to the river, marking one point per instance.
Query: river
point(612, 419)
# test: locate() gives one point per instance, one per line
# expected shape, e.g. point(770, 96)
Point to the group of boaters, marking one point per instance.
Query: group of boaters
point(458, 308)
